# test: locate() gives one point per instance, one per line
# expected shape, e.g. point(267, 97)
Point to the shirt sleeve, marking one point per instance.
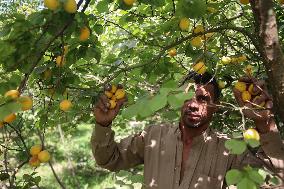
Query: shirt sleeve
point(273, 148)
point(271, 154)
point(113, 156)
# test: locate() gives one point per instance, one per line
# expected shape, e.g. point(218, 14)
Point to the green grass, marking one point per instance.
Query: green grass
point(74, 163)
point(82, 173)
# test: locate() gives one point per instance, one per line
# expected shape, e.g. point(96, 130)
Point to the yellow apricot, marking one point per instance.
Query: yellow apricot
point(249, 69)
point(66, 48)
point(226, 60)
point(119, 94)
point(26, 102)
point(112, 104)
point(129, 2)
point(221, 84)
point(198, 29)
point(244, 2)
point(113, 89)
point(207, 35)
point(51, 4)
point(251, 134)
point(70, 6)
point(13, 94)
point(242, 58)
point(241, 86)
point(35, 150)
point(65, 105)
point(246, 96)
point(253, 89)
point(34, 161)
point(108, 94)
point(196, 42)
point(200, 67)
point(60, 61)
point(44, 156)
point(10, 118)
point(84, 33)
point(184, 24)
point(172, 52)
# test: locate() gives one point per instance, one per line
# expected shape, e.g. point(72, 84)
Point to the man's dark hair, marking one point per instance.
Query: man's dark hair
point(204, 79)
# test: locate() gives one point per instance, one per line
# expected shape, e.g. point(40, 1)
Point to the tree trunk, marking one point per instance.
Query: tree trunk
point(271, 51)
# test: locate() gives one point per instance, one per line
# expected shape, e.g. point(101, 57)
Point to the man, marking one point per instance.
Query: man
point(189, 154)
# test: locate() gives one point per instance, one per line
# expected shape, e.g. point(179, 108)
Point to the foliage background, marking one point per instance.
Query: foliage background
point(128, 45)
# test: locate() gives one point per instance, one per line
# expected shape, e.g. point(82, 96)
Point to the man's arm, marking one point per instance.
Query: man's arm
point(109, 154)
point(116, 156)
point(270, 140)
point(272, 146)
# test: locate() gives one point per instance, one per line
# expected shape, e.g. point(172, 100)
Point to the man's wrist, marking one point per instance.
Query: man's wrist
point(104, 124)
point(265, 126)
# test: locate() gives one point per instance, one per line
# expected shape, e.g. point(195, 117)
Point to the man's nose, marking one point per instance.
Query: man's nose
point(193, 105)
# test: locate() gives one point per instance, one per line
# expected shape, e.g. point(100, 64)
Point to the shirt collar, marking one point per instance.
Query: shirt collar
point(201, 138)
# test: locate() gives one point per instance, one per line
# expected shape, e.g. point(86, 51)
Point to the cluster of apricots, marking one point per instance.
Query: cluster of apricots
point(250, 93)
point(38, 156)
point(26, 103)
point(69, 6)
point(114, 93)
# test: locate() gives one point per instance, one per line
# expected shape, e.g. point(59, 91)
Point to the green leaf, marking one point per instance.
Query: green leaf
point(274, 181)
point(235, 146)
point(256, 177)
point(26, 177)
point(144, 108)
point(37, 179)
point(99, 29)
point(177, 100)
point(170, 84)
point(9, 108)
point(130, 111)
point(6, 50)
point(253, 143)
point(157, 3)
point(137, 178)
point(246, 183)
point(122, 173)
point(141, 107)
point(191, 8)
point(233, 176)
point(102, 6)
point(158, 102)
point(263, 173)
point(237, 134)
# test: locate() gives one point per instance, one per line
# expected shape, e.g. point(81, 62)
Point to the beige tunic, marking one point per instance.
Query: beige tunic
point(160, 149)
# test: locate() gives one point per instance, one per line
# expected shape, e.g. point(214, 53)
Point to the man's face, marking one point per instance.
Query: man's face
point(199, 110)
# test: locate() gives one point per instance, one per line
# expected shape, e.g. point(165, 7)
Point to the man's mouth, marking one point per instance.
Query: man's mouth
point(192, 116)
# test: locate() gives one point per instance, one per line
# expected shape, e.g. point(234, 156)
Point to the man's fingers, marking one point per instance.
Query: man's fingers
point(104, 99)
point(247, 79)
point(238, 96)
point(102, 105)
point(120, 103)
point(269, 105)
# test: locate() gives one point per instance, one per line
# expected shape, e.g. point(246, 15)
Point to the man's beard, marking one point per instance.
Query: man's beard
point(189, 124)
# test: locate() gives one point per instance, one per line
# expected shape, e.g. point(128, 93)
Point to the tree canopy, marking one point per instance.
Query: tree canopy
point(61, 50)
